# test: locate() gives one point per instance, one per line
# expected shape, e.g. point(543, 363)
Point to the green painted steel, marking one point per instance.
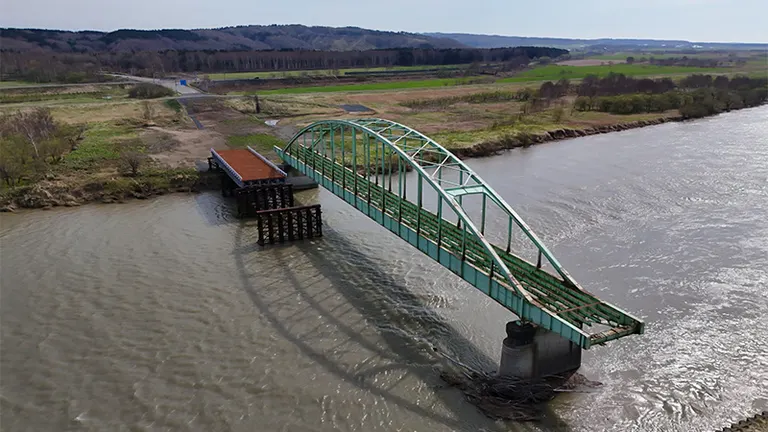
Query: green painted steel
point(555, 302)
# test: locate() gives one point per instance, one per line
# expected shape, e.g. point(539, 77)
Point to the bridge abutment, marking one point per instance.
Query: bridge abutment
point(532, 352)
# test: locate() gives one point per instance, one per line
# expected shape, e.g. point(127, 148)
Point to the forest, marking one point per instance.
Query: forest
point(79, 67)
point(695, 96)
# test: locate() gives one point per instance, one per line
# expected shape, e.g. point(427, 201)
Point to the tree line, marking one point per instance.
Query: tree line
point(33, 144)
point(695, 62)
point(694, 96)
point(75, 67)
point(616, 84)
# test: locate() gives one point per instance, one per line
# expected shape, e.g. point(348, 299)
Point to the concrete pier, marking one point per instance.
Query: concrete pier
point(531, 352)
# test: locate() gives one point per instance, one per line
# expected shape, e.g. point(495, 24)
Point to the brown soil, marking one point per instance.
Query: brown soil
point(192, 145)
point(112, 111)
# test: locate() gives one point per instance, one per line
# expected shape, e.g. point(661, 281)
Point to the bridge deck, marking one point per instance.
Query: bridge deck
point(246, 166)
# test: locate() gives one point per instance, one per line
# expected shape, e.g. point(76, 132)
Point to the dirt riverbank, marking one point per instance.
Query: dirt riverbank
point(510, 141)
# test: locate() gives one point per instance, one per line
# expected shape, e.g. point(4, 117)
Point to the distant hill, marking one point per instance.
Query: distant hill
point(495, 41)
point(273, 37)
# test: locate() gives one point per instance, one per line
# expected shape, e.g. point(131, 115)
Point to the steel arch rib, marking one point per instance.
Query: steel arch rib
point(439, 189)
point(495, 197)
point(363, 124)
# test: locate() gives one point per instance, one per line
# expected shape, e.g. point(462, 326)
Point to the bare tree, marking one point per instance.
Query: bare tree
point(132, 156)
point(147, 112)
point(15, 158)
point(55, 147)
point(34, 126)
point(77, 134)
point(558, 113)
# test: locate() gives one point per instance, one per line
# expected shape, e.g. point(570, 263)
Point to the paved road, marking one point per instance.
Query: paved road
point(31, 86)
point(169, 83)
point(129, 79)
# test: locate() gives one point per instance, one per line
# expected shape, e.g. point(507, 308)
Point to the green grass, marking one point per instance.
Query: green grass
point(260, 142)
point(542, 73)
point(614, 57)
point(68, 97)
point(555, 72)
point(316, 72)
point(11, 84)
point(659, 55)
point(46, 94)
point(637, 55)
point(173, 104)
point(98, 145)
point(537, 124)
point(389, 85)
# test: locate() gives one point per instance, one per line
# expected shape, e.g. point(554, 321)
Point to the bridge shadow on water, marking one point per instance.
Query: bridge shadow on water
point(375, 313)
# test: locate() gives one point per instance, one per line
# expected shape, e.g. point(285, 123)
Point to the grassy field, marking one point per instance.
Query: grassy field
point(375, 86)
point(542, 73)
point(98, 145)
point(556, 72)
point(537, 123)
point(260, 142)
point(81, 97)
point(658, 55)
point(320, 72)
point(11, 84)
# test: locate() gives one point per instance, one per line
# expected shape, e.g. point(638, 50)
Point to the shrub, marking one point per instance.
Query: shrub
point(132, 156)
point(149, 91)
point(558, 113)
point(173, 104)
point(582, 103)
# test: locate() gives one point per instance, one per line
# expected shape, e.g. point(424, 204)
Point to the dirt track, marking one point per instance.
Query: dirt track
point(190, 145)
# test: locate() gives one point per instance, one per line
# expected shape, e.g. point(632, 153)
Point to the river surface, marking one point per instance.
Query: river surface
point(165, 315)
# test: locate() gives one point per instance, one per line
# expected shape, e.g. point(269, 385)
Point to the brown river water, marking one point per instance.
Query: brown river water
point(165, 315)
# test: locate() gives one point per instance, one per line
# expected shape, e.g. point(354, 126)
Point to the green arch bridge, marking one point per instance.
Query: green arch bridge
point(455, 218)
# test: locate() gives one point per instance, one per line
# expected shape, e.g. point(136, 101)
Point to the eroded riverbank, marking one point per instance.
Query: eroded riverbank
point(511, 141)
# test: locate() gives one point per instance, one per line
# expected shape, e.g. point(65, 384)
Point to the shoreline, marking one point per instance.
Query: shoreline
point(498, 145)
point(48, 194)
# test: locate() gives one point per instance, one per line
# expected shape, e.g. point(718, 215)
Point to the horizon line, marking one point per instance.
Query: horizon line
point(425, 33)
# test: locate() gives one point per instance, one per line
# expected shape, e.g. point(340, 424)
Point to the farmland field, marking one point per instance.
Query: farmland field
point(555, 72)
point(11, 84)
point(320, 72)
point(542, 73)
point(661, 55)
point(388, 85)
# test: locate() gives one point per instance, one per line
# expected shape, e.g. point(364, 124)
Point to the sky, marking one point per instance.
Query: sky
point(693, 20)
